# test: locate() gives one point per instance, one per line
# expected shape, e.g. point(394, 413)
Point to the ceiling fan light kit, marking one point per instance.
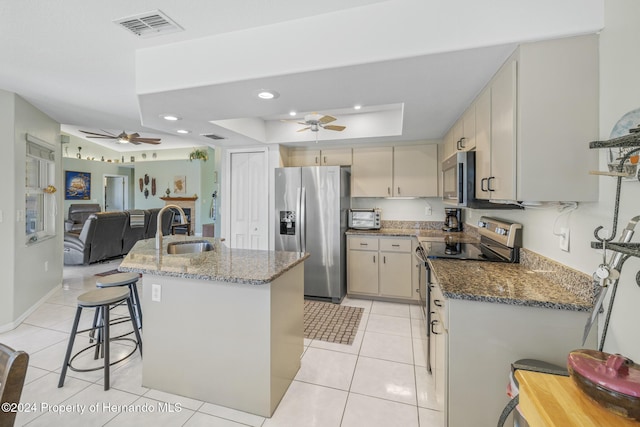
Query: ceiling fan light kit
point(315, 122)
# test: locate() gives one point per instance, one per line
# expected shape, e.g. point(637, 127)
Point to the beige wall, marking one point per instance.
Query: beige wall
point(31, 271)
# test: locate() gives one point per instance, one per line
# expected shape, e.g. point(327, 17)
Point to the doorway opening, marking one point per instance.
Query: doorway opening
point(116, 193)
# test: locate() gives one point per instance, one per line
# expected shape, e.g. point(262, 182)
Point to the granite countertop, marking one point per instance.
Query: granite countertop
point(505, 283)
point(255, 267)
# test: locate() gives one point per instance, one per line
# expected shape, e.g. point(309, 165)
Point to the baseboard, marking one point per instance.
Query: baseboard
point(10, 326)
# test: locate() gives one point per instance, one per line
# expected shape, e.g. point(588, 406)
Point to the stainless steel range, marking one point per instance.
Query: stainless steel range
point(500, 241)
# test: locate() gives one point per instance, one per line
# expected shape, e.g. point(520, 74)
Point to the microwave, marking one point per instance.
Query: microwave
point(459, 182)
point(364, 219)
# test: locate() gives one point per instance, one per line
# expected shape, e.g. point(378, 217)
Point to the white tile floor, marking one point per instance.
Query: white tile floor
point(380, 380)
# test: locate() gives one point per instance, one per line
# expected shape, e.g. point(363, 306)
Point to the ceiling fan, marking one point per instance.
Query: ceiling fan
point(133, 138)
point(317, 121)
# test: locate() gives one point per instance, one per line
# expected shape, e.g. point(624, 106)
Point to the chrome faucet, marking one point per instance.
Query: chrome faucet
point(183, 220)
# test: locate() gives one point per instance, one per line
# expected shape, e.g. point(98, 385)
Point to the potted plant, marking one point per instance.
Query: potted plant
point(198, 154)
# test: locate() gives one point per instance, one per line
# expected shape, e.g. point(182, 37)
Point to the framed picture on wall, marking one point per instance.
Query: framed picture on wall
point(179, 184)
point(77, 185)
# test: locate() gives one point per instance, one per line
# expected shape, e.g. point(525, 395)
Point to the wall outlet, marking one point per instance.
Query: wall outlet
point(156, 292)
point(564, 239)
point(428, 211)
point(46, 266)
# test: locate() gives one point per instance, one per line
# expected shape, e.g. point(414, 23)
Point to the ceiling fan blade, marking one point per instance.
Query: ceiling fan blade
point(107, 135)
point(303, 129)
point(134, 135)
point(145, 140)
point(102, 137)
point(335, 127)
point(326, 119)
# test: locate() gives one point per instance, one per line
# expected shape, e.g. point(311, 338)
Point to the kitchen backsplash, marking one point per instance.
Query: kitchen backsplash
point(424, 225)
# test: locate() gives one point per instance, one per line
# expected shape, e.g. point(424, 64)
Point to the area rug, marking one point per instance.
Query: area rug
point(331, 322)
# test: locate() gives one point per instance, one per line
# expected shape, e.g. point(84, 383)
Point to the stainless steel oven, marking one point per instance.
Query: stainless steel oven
point(500, 241)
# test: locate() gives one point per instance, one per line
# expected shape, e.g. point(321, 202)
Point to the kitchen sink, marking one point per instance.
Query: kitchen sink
point(191, 247)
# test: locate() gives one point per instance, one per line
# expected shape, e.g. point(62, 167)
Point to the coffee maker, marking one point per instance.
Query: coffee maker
point(452, 219)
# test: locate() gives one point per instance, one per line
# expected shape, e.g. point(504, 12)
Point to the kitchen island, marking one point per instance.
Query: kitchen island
point(223, 326)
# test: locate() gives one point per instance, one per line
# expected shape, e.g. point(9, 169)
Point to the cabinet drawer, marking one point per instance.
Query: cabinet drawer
point(363, 243)
point(395, 245)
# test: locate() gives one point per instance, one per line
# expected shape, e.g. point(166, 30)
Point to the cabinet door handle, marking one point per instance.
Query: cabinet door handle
point(398, 191)
point(316, 161)
point(433, 323)
point(325, 160)
point(374, 259)
point(364, 244)
point(437, 303)
point(458, 147)
point(384, 259)
point(462, 143)
point(389, 191)
point(484, 181)
point(395, 246)
point(489, 183)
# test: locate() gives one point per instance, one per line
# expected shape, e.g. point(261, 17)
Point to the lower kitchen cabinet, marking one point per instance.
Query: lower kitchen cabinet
point(381, 266)
point(476, 343)
point(363, 271)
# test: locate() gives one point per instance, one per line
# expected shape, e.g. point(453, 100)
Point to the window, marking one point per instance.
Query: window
point(40, 203)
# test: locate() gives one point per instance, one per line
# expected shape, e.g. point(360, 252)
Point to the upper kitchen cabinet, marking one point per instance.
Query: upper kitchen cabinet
point(402, 171)
point(372, 172)
point(304, 157)
point(543, 108)
point(415, 171)
point(326, 157)
point(462, 136)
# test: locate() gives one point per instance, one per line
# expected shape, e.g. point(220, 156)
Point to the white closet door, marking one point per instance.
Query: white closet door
point(249, 203)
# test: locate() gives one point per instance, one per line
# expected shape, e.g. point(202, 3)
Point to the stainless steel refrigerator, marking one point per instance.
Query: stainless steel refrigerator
point(312, 205)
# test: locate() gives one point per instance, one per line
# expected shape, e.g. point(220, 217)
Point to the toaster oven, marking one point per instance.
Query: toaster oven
point(364, 219)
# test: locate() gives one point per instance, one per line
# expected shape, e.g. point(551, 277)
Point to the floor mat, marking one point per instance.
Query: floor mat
point(331, 322)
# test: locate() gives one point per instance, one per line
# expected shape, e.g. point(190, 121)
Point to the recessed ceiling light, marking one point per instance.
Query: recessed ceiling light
point(267, 94)
point(184, 131)
point(292, 113)
point(170, 117)
point(357, 107)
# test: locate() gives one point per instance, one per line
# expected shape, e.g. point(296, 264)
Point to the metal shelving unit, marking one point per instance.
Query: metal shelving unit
point(631, 144)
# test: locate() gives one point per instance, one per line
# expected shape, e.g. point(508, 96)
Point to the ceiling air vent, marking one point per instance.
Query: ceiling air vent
point(149, 24)
point(213, 136)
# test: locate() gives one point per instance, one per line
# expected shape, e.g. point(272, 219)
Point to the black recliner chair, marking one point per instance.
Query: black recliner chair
point(78, 214)
point(152, 225)
point(101, 238)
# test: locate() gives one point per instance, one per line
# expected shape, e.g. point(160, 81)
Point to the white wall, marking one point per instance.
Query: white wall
point(402, 209)
point(97, 170)
point(26, 278)
point(8, 206)
point(164, 173)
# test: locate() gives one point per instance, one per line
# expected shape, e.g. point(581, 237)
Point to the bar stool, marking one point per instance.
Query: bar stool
point(122, 279)
point(101, 299)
